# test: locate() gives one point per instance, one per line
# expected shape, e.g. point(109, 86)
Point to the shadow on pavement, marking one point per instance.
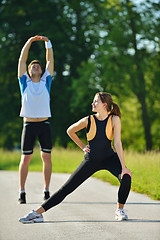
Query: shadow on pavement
point(101, 221)
point(114, 203)
point(100, 203)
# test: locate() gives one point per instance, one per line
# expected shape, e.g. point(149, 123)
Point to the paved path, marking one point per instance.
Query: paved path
point(86, 214)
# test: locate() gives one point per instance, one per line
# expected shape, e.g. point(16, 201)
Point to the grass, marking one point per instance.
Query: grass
point(145, 167)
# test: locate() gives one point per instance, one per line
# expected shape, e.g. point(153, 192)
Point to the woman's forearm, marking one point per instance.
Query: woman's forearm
point(76, 139)
point(119, 150)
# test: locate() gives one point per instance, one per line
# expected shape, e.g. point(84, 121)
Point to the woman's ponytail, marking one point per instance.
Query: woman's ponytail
point(115, 110)
point(112, 108)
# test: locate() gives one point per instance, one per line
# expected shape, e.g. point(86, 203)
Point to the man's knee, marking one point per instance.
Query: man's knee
point(46, 157)
point(25, 159)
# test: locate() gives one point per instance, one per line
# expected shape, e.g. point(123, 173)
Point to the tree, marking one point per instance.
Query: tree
point(123, 59)
point(71, 26)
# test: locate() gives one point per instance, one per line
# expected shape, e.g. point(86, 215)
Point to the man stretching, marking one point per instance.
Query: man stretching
point(35, 110)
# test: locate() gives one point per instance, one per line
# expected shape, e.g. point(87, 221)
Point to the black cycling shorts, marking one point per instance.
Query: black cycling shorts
point(33, 130)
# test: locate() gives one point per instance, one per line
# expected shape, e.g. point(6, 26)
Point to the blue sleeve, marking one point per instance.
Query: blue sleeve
point(22, 83)
point(48, 82)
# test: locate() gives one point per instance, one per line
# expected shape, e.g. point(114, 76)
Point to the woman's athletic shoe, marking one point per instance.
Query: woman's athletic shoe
point(120, 215)
point(32, 217)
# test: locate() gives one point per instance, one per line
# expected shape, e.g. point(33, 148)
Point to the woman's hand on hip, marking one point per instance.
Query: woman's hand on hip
point(86, 149)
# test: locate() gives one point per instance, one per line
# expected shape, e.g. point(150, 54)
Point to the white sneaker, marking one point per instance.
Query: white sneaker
point(32, 217)
point(120, 215)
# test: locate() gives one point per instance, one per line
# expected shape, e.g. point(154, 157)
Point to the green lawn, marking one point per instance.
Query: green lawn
point(145, 167)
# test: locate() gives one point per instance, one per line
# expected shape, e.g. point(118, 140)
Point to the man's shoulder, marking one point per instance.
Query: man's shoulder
point(45, 75)
point(25, 76)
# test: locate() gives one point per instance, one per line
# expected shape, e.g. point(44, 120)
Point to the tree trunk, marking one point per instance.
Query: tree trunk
point(138, 82)
point(146, 123)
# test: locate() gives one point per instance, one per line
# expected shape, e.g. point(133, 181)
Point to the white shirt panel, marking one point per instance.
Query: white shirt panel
point(36, 99)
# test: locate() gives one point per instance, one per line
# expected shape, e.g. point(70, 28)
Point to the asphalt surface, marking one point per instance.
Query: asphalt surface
point(86, 214)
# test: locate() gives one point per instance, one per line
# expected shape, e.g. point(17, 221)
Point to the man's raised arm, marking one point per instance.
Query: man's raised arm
point(49, 56)
point(24, 55)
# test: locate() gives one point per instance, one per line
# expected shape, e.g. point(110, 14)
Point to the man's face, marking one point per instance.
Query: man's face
point(35, 69)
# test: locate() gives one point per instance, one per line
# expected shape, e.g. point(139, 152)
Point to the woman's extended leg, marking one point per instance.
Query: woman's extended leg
point(83, 171)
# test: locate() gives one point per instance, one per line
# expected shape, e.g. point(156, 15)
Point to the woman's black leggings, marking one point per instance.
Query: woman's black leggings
point(83, 172)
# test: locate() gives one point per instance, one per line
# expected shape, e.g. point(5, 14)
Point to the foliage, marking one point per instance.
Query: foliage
point(71, 27)
point(121, 64)
point(98, 45)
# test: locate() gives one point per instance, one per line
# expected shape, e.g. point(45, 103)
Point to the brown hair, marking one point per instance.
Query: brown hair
point(111, 107)
point(33, 62)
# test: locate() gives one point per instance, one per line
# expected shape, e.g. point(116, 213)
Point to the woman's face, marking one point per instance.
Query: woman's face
point(97, 104)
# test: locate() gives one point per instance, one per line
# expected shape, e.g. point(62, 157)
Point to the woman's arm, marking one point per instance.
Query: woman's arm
point(116, 123)
point(71, 131)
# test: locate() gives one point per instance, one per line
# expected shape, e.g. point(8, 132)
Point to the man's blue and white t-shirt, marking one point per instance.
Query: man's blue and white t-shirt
point(35, 96)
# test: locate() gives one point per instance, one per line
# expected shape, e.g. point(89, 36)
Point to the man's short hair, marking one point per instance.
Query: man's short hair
point(33, 62)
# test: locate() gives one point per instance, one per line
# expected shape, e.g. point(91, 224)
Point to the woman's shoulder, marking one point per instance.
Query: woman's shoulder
point(115, 119)
point(84, 119)
point(89, 117)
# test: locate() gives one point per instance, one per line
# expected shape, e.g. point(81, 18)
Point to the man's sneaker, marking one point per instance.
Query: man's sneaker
point(46, 195)
point(120, 215)
point(32, 217)
point(22, 198)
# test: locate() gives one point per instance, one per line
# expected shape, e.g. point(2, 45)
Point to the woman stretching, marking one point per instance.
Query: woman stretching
point(99, 155)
